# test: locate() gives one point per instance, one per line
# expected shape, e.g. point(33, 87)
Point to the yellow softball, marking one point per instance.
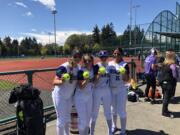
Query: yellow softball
point(66, 77)
point(122, 70)
point(86, 75)
point(102, 70)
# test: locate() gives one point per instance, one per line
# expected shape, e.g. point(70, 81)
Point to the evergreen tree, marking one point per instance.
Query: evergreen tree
point(8, 46)
point(108, 35)
point(96, 35)
point(15, 47)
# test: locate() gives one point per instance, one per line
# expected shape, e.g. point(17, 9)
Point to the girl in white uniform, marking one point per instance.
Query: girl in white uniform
point(83, 95)
point(102, 93)
point(63, 91)
point(119, 90)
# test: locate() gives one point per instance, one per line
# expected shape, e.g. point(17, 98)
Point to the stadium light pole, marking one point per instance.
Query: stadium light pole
point(130, 24)
point(49, 33)
point(135, 16)
point(54, 12)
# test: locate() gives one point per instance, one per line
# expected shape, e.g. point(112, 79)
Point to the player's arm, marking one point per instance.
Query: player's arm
point(125, 77)
point(57, 81)
point(58, 78)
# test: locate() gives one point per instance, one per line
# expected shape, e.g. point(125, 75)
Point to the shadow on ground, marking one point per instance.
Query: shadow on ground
point(145, 132)
point(176, 114)
point(175, 100)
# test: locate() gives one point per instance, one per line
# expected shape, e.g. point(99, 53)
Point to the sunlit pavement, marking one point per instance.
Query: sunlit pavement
point(143, 119)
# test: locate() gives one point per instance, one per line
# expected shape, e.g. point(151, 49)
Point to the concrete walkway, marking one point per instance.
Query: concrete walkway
point(143, 119)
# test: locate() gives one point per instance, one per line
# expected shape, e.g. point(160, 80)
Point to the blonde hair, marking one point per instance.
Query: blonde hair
point(170, 58)
point(88, 56)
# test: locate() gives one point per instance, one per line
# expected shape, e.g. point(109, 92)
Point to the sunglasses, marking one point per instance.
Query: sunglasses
point(103, 57)
point(77, 56)
point(117, 54)
point(87, 61)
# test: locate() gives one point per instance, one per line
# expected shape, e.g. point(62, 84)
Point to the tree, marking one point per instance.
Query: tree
point(126, 36)
point(1, 47)
point(66, 49)
point(29, 46)
point(8, 46)
point(136, 35)
point(96, 35)
point(86, 48)
point(50, 49)
point(60, 50)
point(15, 47)
point(44, 51)
point(108, 35)
point(96, 47)
point(73, 41)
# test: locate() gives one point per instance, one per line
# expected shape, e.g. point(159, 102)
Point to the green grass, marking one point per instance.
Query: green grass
point(7, 85)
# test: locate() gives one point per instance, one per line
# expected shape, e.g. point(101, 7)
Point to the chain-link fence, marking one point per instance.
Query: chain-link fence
point(41, 79)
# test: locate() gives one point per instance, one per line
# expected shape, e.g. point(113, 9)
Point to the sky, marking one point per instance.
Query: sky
point(21, 18)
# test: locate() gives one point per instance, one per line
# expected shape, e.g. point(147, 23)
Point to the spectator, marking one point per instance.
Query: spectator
point(168, 81)
point(150, 75)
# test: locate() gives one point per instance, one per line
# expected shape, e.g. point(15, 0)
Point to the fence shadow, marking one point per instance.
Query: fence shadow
point(145, 132)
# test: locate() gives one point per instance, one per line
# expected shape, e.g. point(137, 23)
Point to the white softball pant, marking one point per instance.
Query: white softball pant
point(101, 95)
point(63, 109)
point(83, 105)
point(119, 100)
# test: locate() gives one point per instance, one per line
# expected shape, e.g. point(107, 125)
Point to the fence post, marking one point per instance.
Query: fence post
point(29, 77)
point(133, 66)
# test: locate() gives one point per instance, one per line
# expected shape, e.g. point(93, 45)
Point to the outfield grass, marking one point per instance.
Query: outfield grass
point(7, 85)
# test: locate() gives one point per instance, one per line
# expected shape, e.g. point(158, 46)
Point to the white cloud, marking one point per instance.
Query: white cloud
point(28, 13)
point(33, 30)
point(61, 36)
point(48, 3)
point(21, 4)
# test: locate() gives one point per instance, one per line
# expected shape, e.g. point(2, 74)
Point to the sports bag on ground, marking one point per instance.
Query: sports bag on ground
point(29, 110)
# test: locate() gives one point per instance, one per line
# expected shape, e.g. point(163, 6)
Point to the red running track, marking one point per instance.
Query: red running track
point(41, 80)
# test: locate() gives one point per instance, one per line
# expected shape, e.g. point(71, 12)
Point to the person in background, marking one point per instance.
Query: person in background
point(150, 68)
point(168, 81)
point(63, 92)
point(102, 93)
point(118, 87)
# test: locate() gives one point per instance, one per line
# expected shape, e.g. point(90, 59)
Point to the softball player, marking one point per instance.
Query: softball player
point(102, 93)
point(83, 95)
point(118, 88)
point(63, 91)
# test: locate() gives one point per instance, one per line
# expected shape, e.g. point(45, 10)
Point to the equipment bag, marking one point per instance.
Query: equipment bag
point(132, 96)
point(29, 110)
